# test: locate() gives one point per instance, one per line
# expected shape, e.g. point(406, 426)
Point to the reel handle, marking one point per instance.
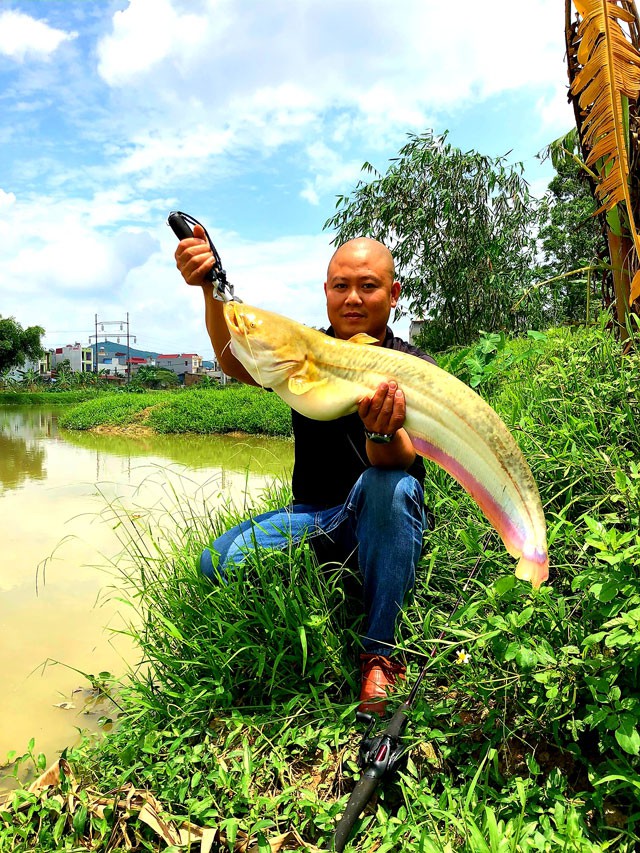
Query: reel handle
point(182, 230)
point(179, 225)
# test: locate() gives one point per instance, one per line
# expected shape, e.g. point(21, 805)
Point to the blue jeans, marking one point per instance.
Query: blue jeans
point(383, 519)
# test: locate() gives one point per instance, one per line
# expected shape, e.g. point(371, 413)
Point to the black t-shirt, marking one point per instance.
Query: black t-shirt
point(331, 455)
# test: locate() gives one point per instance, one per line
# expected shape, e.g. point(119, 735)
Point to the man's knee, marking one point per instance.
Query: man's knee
point(209, 566)
point(392, 488)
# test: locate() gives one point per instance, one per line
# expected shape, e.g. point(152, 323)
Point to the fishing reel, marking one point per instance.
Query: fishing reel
point(382, 754)
point(181, 225)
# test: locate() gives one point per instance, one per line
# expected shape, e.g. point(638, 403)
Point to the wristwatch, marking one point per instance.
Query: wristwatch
point(379, 437)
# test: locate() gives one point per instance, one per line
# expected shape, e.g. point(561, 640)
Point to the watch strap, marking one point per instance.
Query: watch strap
point(379, 437)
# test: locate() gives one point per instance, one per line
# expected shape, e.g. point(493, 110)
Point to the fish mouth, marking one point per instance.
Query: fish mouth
point(238, 323)
point(232, 317)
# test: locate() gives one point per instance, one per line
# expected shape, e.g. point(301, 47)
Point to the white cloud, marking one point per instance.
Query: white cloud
point(211, 77)
point(555, 112)
point(22, 36)
point(7, 200)
point(73, 260)
point(62, 254)
point(144, 34)
point(330, 172)
point(310, 194)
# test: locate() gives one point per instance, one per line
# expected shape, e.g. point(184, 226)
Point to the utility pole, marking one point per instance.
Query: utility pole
point(105, 334)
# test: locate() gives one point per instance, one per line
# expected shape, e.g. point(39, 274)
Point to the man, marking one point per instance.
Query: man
point(357, 483)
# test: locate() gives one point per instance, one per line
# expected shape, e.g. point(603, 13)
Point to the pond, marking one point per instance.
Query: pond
point(59, 552)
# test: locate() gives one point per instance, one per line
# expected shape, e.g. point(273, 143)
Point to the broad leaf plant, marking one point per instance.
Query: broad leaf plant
point(603, 59)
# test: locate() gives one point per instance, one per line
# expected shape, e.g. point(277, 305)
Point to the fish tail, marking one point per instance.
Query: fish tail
point(533, 568)
point(513, 528)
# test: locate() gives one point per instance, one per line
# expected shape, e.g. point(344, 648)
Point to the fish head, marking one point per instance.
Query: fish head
point(270, 347)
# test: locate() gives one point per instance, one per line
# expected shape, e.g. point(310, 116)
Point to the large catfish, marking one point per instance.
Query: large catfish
point(325, 378)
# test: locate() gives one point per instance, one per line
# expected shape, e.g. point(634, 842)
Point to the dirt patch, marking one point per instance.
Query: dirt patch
point(138, 430)
point(133, 430)
point(143, 414)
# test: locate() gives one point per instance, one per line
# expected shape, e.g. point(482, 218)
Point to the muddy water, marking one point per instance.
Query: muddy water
point(59, 552)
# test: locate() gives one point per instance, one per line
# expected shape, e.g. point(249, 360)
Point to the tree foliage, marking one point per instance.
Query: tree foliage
point(571, 240)
point(18, 344)
point(461, 228)
point(149, 376)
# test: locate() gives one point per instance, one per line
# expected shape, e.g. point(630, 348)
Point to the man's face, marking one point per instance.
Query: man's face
point(360, 290)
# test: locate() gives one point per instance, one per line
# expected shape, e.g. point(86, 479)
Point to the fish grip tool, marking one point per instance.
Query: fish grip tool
point(181, 224)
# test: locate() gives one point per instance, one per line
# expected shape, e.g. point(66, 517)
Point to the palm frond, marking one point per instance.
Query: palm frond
point(607, 78)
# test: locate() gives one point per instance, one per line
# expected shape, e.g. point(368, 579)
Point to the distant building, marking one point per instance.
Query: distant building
point(217, 373)
point(187, 362)
point(136, 363)
point(80, 357)
point(40, 366)
point(112, 366)
point(115, 363)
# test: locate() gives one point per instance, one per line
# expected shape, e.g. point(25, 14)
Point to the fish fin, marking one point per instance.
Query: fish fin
point(363, 338)
point(306, 378)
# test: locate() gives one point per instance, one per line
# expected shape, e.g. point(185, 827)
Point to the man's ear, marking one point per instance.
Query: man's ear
point(325, 288)
point(395, 293)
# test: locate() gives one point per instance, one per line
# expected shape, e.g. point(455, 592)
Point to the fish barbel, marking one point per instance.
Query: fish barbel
point(325, 378)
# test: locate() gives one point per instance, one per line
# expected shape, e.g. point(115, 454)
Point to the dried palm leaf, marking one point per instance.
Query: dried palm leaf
point(609, 77)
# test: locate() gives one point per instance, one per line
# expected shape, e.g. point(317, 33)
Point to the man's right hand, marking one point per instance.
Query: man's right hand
point(194, 257)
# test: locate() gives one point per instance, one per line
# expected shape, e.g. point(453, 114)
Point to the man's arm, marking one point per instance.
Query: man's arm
point(194, 259)
point(385, 413)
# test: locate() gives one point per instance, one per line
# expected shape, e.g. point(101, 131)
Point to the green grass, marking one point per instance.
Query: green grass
point(237, 408)
point(240, 716)
point(48, 398)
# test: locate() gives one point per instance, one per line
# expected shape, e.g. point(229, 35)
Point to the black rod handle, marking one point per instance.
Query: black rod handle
point(179, 225)
point(182, 230)
point(359, 798)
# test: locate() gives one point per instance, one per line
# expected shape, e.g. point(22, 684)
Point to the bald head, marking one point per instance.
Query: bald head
point(361, 289)
point(365, 249)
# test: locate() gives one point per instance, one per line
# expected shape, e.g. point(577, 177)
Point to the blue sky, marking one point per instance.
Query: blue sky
point(252, 117)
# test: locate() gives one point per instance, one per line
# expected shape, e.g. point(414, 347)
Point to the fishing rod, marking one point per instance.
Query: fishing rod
point(181, 224)
point(380, 756)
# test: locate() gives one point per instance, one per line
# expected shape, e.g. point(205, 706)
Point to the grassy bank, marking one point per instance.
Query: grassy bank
point(48, 398)
point(244, 721)
point(234, 408)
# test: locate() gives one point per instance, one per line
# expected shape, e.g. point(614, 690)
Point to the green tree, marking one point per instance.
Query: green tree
point(461, 228)
point(63, 374)
point(30, 379)
point(148, 376)
point(18, 344)
point(571, 240)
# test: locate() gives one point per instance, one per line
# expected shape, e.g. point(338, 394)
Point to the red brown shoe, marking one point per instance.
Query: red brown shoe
point(379, 676)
